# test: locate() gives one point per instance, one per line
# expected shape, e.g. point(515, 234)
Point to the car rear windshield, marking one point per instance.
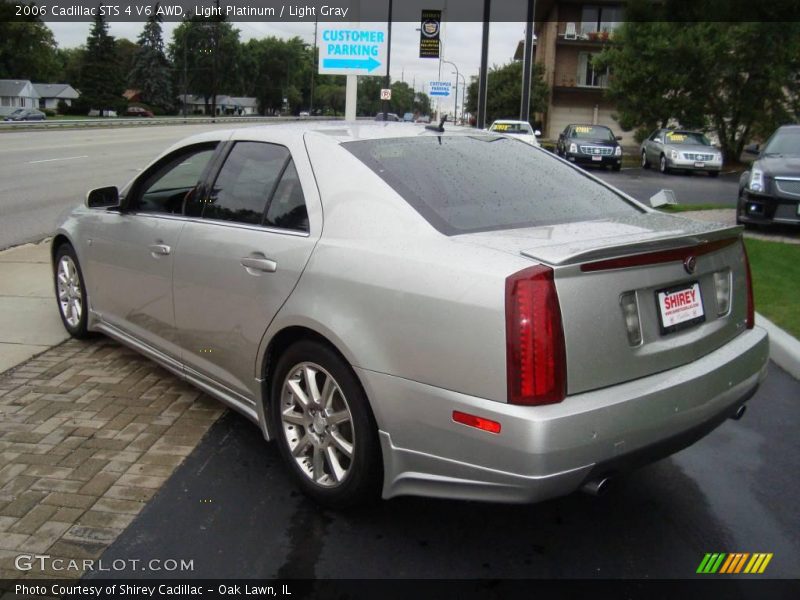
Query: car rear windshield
point(511, 128)
point(465, 184)
point(592, 132)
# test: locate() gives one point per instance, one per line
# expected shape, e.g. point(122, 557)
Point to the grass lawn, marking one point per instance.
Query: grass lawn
point(776, 282)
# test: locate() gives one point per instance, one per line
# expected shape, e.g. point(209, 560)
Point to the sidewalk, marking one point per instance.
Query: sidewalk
point(29, 321)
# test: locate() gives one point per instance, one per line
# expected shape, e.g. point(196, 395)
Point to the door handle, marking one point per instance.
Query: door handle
point(259, 264)
point(159, 249)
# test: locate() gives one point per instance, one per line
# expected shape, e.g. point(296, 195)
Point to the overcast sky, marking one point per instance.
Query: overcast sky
point(461, 43)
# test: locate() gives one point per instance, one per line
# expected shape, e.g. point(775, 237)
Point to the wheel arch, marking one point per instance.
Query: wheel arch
point(268, 358)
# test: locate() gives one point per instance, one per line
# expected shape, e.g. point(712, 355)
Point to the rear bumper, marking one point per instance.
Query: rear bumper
point(765, 208)
point(547, 451)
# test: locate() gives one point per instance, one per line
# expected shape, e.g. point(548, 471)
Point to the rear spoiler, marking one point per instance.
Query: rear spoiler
point(664, 248)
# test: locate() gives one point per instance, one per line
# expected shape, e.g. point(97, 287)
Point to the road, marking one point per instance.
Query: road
point(44, 173)
point(231, 509)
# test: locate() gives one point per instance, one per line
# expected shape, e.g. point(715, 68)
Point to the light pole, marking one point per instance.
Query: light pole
point(455, 101)
point(463, 90)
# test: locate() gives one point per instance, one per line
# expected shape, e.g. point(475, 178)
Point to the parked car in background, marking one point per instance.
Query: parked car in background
point(423, 119)
point(408, 117)
point(389, 117)
point(26, 114)
point(304, 113)
point(512, 333)
point(520, 130)
point(590, 145)
point(769, 192)
point(138, 111)
point(672, 149)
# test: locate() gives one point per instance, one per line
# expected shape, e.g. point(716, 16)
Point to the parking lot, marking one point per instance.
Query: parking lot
point(230, 506)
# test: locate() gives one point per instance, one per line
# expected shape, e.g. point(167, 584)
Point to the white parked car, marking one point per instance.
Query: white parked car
point(521, 130)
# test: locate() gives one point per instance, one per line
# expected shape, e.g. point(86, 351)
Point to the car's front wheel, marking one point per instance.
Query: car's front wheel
point(324, 427)
point(662, 165)
point(645, 162)
point(71, 292)
point(713, 173)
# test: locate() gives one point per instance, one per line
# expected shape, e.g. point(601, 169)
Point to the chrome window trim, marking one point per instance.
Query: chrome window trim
point(223, 223)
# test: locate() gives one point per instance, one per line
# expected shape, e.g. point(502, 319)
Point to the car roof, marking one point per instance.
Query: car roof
point(588, 125)
point(510, 122)
point(340, 131)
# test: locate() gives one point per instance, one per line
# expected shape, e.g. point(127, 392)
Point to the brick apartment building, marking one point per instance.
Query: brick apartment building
point(569, 33)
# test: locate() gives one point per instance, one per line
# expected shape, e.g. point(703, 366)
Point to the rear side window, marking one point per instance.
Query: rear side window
point(465, 184)
point(245, 182)
point(287, 209)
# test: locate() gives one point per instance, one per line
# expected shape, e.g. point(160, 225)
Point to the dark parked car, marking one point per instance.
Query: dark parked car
point(770, 191)
point(26, 114)
point(591, 145)
point(389, 117)
point(138, 111)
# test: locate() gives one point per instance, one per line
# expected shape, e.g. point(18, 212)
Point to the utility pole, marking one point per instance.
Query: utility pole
point(483, 76)
point(388, 63)
point(525, 107)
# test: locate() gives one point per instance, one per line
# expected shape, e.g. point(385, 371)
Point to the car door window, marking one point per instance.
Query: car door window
point(287, 209)
point(245, 182)
point(166, 187)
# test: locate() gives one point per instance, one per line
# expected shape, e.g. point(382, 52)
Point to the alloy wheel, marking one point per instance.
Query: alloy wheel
point(70, 297)
point(317, 424)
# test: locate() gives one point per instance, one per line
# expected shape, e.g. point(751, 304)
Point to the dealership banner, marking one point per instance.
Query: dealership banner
point(430, 24)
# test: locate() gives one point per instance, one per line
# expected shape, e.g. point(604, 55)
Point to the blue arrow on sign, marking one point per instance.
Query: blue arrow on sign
point(369, 64)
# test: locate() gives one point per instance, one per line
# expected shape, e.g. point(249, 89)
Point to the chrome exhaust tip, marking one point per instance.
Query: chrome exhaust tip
point(595, 487)
point(739, 412)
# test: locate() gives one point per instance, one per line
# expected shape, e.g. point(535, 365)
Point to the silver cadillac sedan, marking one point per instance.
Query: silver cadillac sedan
point(671, 149)
point(406, 310)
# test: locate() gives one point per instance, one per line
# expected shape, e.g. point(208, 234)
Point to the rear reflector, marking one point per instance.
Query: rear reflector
point(477, 422)
point(660, 256)
point(535, 355)
point(751, 306)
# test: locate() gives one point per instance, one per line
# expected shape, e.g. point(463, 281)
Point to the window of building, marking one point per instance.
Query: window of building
point(588, 76)
point(595, 19)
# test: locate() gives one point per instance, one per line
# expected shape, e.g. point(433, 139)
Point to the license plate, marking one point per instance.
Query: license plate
point(597, 158)
point(680, 307)
point(699, 165)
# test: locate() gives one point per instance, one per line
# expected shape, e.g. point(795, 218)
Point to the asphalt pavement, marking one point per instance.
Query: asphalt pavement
point(232, 510)
point(45, 173)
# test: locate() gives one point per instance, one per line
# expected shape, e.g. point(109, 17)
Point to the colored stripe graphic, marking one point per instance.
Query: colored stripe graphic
point(722, 563)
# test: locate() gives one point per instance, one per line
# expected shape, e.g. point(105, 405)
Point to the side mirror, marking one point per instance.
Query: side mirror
point(537, 133)
point(658, 141)
point(105, 197)
point(752, 149)
point(618, 138)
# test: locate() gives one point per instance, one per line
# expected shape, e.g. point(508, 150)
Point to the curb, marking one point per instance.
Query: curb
point(784, 349)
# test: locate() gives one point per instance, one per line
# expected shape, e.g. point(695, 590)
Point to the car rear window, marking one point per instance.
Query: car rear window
point(465, 184)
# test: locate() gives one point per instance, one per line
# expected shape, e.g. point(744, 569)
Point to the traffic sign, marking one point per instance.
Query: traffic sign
point(352, 49)
point(386, 94)
point(439, 88)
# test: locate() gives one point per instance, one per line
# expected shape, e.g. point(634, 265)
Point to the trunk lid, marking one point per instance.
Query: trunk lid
point(596, 263)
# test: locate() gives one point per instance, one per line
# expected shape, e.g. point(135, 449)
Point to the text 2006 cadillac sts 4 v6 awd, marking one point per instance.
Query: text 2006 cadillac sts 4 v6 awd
point(411, 311)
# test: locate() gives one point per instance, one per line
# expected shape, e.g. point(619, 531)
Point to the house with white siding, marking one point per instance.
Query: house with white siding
point(17, 93)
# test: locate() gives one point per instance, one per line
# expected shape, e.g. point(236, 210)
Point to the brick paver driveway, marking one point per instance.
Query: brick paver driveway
point(88, 433)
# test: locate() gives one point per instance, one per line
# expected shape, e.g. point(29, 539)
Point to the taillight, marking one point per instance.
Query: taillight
point(535, 355)
point(751, 305)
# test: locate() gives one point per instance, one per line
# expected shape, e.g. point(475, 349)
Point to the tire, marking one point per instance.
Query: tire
point(70, 290)
point(616, 168)
point(645, 162)
point(662, 165)
point(713, 174)
point(314, 438)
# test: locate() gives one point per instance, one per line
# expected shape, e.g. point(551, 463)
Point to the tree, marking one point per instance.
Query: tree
point(151, 71)
point(505, 92)
point(206, 53)
point(101, 83)
point(27, 48)
point(736, 78)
